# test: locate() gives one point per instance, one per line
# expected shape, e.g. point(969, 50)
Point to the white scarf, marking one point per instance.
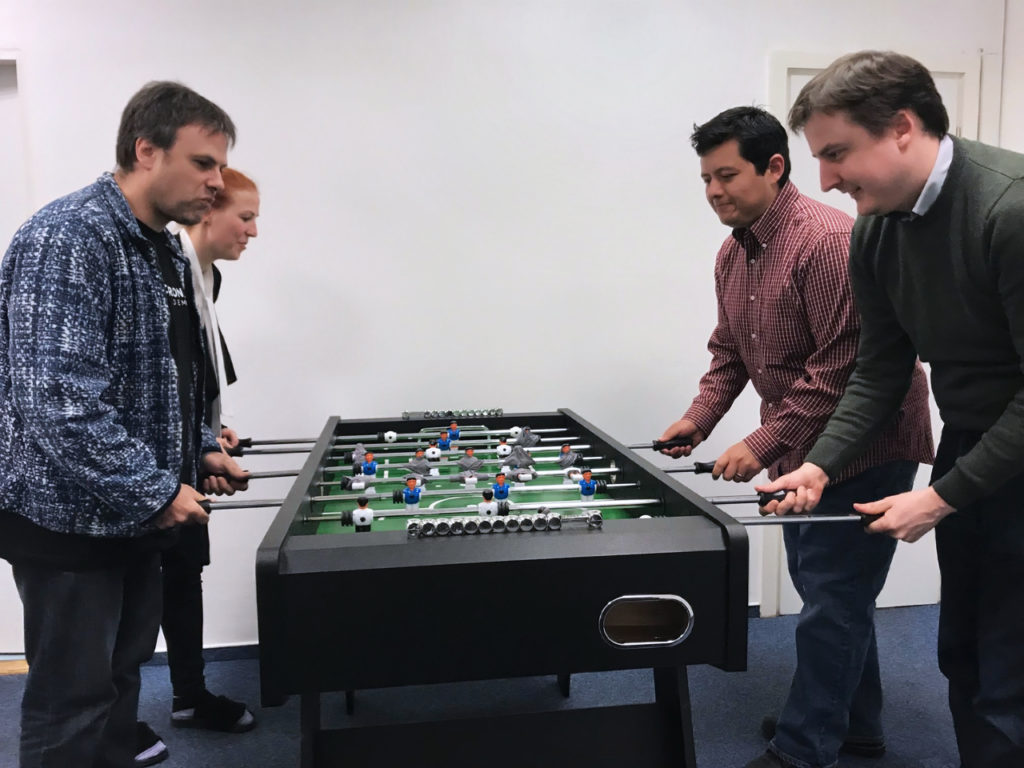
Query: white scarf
point(202, 286)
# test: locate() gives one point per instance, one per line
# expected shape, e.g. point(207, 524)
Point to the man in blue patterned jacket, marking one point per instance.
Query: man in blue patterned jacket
point(102, 441)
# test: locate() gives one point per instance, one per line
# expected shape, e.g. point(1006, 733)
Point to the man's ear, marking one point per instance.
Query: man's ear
point(904, 126)
point(146, 153)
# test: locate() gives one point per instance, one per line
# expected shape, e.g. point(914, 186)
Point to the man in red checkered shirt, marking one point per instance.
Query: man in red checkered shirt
point(787, 323)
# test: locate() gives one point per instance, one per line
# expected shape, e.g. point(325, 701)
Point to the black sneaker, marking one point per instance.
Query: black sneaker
point(767, 760)
point(213, 713)
point(861, 747)
point(149, 748)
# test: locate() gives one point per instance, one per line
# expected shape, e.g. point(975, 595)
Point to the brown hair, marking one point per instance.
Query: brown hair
point(156, 113)
point(871, 87)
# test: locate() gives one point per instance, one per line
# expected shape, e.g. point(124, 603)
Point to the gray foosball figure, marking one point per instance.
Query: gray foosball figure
point(527, 439)
point(418, 465)
point(567, 457)
point(519, 458)
point(358, 454)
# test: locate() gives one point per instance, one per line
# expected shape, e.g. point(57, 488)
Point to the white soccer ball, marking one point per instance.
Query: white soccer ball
point(515, 432)
point(390, 437)
point(433, 453)
point(504, 450)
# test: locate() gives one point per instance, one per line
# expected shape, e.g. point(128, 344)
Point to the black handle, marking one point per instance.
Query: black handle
point(764, 497)
point(675, 442)
point(867, 519)
point(239, 450)
point(703, 467)
point(207, 506)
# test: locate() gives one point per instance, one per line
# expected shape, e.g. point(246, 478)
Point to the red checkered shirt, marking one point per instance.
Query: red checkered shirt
point(787, 322)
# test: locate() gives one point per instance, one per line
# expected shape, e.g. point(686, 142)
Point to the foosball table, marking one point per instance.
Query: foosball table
point(359, 587)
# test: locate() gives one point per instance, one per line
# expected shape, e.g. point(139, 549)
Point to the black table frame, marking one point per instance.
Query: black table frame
point(297, 570)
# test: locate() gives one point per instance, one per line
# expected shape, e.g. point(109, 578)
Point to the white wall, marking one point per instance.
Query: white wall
point(496, 201)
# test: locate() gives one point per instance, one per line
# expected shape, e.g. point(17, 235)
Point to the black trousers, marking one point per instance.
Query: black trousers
point(981, 621)
point(182, 618)
point(86, 633)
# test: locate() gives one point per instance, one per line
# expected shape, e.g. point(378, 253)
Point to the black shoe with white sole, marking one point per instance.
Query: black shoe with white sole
point(149, 747)
point(213, 713)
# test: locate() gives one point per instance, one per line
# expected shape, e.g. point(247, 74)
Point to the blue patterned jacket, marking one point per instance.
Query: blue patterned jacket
point(90, 422)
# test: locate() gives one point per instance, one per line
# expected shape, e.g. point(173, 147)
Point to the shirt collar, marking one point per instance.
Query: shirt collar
point(933, 186)
point(765, 225)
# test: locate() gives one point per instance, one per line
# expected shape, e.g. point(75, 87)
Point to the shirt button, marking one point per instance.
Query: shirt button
point(751, 298)
point(751, 261)
point(753, 335)
point(758, 370)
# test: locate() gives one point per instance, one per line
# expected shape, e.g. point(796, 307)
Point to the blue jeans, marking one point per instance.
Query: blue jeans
point(838, 569)
point(86, 633)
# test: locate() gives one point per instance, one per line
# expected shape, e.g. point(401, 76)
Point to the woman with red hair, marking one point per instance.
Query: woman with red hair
point(221, 235)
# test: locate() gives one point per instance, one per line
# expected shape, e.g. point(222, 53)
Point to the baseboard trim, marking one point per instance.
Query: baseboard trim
point(13, 667)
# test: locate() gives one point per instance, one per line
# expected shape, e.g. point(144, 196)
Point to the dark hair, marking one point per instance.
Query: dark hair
point(871, 87)
point(362, 501)
point(488, 494)
point(759, 134)
point(156, 113)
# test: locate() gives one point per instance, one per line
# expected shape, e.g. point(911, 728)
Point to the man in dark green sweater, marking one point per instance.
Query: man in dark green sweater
point(937, 268)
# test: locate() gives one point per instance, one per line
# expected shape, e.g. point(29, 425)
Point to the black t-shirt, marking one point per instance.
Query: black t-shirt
point(183, 335)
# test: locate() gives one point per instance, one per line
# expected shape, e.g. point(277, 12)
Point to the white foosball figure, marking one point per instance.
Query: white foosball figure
point(362, 515)
point(488, 506)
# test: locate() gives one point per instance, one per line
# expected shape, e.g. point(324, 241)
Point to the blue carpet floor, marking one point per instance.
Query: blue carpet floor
point(727, 707)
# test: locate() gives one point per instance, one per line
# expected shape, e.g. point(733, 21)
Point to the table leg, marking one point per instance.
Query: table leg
point(672, 693)
point(309, 728)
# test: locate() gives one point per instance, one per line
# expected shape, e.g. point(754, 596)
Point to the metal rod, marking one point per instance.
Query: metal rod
point(381, 448)
point(543, 457)
point(241, 451)
point(453, 462)
point(798, 519)
point(434, 478)
point(213, 506)
point(248, 441)
point(436, 432)
point(276, 473)
point(698, 468)
point(478, 491)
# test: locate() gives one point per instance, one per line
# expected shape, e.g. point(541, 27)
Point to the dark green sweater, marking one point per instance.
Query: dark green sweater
point(947, 286)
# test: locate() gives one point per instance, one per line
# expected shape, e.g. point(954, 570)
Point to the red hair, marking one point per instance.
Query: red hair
point(234, 181)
